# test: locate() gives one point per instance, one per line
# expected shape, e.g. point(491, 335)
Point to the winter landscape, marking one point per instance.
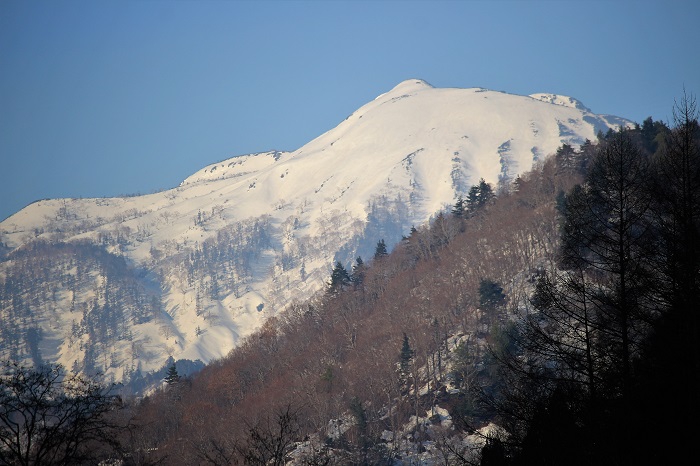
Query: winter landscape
point(187, 272)
point(249, 254)
point(339, 249)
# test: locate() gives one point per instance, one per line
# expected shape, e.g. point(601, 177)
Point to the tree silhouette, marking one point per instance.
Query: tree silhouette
point(48, 417)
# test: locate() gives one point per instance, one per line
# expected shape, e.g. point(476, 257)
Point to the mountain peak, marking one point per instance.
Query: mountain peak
point(409, 86)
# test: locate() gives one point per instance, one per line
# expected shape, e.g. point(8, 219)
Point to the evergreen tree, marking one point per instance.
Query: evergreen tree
point(490, 294)
point(648, 133)
point(566, 157)
point(586, 155)
point(358, 272)
point(172, 377)
point(486, 193)
point(458, 210)
point(473, 199)
point(339, 278)
point(381, 250)
point(479, 196)
point(405, 358)
point(363, 441)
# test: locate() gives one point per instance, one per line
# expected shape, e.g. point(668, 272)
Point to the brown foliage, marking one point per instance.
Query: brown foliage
point(321, 355)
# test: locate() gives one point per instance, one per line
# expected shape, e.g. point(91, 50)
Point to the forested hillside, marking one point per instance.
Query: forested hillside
point(551, 321)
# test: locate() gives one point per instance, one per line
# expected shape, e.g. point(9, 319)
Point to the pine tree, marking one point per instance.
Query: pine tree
point(566, 158)
point(381, 250)
point(479, 196)
point(339, 278)
point(485, 193)
point(172, 377)
point(358, 272)
point(473, 199)
point(458, 209)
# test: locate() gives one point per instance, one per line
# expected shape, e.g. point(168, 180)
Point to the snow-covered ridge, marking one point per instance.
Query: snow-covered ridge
point(236, 166)
point(563, 100)
point(409, 86)
point(241, 238)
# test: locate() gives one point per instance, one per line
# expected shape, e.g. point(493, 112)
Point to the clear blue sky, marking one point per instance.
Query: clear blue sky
point(100, 98)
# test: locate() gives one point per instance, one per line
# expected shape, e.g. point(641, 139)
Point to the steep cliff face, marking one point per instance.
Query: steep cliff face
point(119, 285)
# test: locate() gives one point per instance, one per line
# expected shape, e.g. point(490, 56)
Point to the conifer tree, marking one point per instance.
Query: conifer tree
point(479, 196)
point(458, 209)
point(490, 294)
point(607, 231)
point(486, 193)
point(358, 272)
point(671, 361)
point(339, 278)
point(405, 358)
point(172, 377)
point(566, 157)
point(381, 250)
point(473, 199)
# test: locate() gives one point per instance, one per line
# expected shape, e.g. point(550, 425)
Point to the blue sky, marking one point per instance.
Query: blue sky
point(119, 97)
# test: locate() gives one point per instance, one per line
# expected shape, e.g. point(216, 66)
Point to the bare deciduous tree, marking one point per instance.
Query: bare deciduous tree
point(48, 417)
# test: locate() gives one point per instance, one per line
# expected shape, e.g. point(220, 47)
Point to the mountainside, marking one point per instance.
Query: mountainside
point(119, 285)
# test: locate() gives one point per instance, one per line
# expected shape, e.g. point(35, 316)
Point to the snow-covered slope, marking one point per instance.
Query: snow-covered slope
point(238, 240)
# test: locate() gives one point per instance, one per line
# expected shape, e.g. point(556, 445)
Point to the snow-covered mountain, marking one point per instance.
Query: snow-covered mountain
point(120, 285)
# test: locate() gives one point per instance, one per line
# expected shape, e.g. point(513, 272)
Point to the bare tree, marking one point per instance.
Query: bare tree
point(270, 441)
point(48, 417)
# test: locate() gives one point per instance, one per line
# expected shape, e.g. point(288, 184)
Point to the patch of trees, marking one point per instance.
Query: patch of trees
point(605, 367)
point(50, 418)
point(42, 278)
point(219, 265)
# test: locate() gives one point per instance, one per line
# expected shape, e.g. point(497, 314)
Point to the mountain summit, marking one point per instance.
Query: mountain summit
point(120, 285)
